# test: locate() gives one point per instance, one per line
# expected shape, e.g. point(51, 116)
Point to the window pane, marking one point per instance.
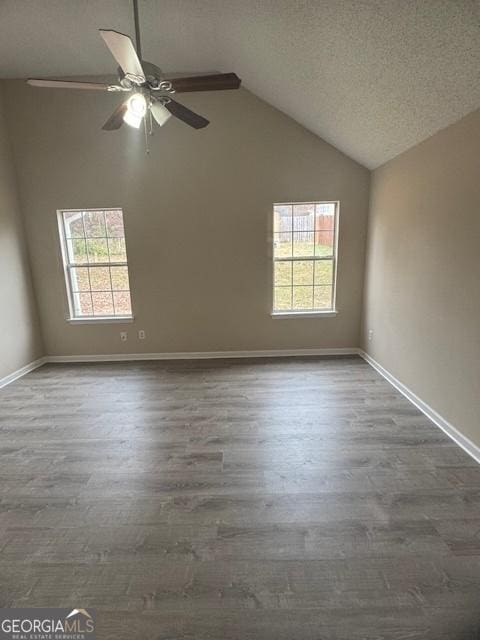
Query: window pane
point(303, 272)
point(97, 250)
point(100, 278)
point(322, 297)
point(114, 221)
point(102, 304)
point(121, 300)
point(83, 304)
point(283, 245)
point(303, 243)
point(325, 217)
point(94, 222)
point(283, 274)
point(282, 218)
point(324, 243)
point(283, 298)
point(118, 251)
point(323, 271)
point(79, 279)
point(73, 224)
point(303, 217)
point(119, 278)
point(302, 298)
point(77, 251)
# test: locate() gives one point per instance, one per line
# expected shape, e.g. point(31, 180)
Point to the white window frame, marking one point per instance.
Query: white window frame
point(67, 266)
point(308, 313)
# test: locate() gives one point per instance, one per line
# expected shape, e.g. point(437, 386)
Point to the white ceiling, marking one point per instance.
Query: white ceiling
point(373, 77)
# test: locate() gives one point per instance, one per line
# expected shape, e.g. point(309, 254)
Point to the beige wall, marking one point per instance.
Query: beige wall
point(20, 341)
point(422, 298)
point(197, 214)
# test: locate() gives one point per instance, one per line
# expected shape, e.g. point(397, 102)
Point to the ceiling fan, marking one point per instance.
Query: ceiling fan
point(151, 93)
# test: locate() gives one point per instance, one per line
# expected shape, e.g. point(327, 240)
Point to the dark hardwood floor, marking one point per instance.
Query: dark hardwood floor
point(282, 499)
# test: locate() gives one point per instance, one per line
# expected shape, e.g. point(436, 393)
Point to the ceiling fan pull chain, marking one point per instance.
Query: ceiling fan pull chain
point(150, 122)
point(147, 150)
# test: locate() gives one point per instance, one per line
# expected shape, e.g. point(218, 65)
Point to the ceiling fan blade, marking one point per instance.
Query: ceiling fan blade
point(115, 121)
point(214, 82)
point(186, 115)
point(67, 84)
point(122, 49)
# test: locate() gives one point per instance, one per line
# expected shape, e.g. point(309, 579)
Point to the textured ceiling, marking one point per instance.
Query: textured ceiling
point(373, 77)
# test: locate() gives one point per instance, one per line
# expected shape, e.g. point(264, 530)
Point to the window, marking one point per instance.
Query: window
point(304, 257)
point(95, 261)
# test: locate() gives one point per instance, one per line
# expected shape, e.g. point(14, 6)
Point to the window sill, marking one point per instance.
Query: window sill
point(100, 320)
point(303, 314)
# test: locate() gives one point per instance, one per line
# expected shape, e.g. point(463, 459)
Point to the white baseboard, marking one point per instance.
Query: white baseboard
point(465, 443)
point(22, 372)
point(203, 355)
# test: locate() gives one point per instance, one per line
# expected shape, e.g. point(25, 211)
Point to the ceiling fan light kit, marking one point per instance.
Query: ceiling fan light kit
point(152, 92)
point(135, 111)
point(160, 113)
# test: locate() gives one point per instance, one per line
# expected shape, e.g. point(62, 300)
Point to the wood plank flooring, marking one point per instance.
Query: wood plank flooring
point(281, 499)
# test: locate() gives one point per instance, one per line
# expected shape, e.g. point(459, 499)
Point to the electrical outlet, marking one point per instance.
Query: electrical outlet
point(370, 334)
point(141, 334)
point(123, 336)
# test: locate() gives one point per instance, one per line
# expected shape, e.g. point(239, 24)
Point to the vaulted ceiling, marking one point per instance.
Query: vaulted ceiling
point(372, 77)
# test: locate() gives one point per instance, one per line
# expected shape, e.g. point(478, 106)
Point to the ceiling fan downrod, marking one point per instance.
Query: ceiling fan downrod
point(136, 20)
